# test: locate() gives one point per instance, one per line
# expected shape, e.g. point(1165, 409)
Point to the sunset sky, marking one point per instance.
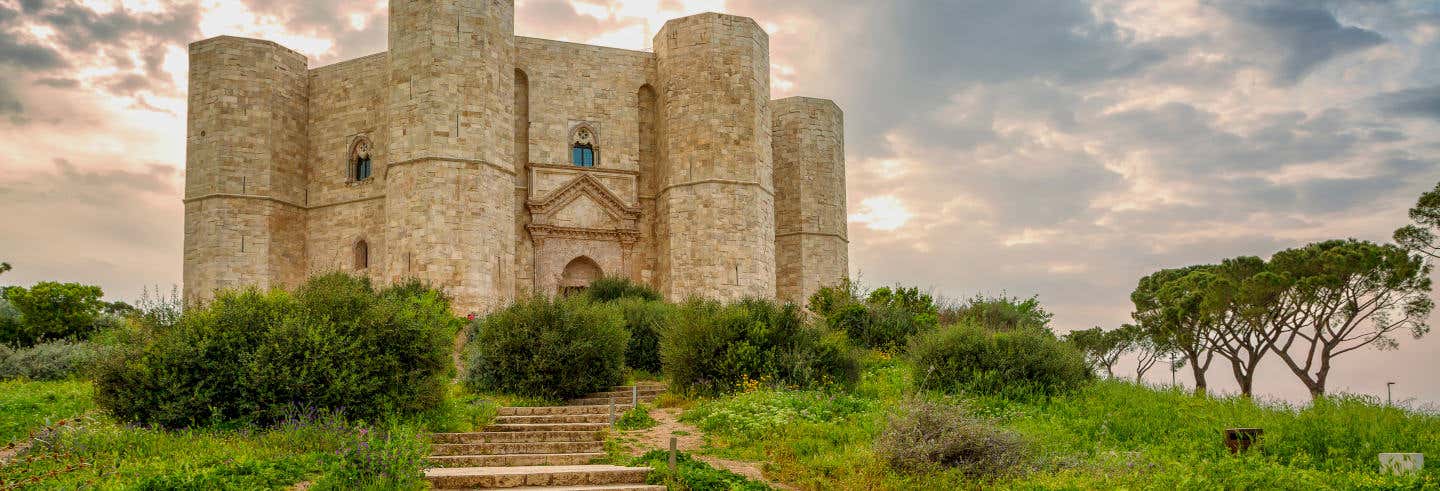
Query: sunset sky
point(1054, 148)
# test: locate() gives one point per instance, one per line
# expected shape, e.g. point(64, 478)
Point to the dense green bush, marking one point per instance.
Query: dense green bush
point(647, 321)
point(50, 310)
point(611, 288)
point(252, 356)
point(51, 360)
point(9, 321)
point(1021, 363)
point(1002, 313)
point(927, 435)
point(715, 349)
point(885, 319)
point(548, 347)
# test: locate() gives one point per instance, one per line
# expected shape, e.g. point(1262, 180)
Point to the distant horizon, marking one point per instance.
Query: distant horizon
point(1061, 150)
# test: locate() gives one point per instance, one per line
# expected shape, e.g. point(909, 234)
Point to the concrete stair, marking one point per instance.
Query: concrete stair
point(533, 448)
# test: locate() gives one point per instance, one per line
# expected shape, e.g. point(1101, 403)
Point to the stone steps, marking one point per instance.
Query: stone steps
point(557, 418)
point(576, 476)
point(520, 459)
point(504, 448)
point(625, 394)
point(606, 487)
point(516, 437)
point(549, 410)
point(547, 427)
point(533, 448)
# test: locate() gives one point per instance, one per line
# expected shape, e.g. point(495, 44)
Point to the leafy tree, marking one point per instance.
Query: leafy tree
point(4, 267)
point(1344, 295)
point(1168, 302)
point(1244, 301)
point(1148, 347)
point(1421, 236)
point(1102, 348)
point(51, 310)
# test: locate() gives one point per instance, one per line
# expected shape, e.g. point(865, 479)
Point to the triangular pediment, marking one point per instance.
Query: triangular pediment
point(582, 199)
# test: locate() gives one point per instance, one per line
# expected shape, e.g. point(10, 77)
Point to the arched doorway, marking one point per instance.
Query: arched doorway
point(578, 275)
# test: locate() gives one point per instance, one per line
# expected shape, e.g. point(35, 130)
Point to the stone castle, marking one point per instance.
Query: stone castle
point(496, 165)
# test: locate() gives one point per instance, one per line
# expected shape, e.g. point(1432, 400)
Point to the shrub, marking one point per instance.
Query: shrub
point(829, 299)
point(611, 288)
point(252, 356)
point(884, 320)
point(53, 360)
point(9, 321)
point(544, 347)
point(637, 418)
point(647, 321)
point(1027, 362)
point(714, 348)
point(387, 458)
point(51, 310)
point(1002, 313)
point(930, 434)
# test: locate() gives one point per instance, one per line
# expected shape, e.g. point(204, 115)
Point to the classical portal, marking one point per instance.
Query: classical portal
point(496, 165)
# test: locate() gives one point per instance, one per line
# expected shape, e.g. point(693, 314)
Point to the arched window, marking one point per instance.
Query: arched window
point(360, 166)
point(582, 151)
point(362, 255)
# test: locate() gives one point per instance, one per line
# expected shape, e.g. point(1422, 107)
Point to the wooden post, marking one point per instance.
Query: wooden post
point(634, 396)
point(672, 455)
point(612, 411)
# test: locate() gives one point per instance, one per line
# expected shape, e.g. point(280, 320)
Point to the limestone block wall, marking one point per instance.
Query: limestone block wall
point(715, 209)
point(567, 85)
point(812, 241)
point(348, 101)
point(570, 83)
point(450, 179)
point(245, 179)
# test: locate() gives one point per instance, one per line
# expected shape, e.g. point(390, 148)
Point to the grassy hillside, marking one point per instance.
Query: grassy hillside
point(1110, 434)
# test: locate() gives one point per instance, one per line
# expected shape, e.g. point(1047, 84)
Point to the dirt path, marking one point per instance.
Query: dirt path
point(690, 440)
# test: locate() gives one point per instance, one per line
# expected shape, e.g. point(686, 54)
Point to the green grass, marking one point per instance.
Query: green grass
point(98, 453)
point(26, 405)
point(691, 474)
point(637, 418)
point(1107, 435)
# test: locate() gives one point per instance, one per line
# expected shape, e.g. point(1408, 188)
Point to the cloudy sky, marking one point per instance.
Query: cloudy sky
point(1055, 148)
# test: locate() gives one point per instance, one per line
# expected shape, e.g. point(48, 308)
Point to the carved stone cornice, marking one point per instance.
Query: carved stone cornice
point(541, 232)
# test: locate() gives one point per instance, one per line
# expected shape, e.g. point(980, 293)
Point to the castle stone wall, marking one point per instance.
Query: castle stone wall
point(812, 241)
point(472, 188)
point(715, 207)
point(244, 183)
point(348, 101)
point(450, 170)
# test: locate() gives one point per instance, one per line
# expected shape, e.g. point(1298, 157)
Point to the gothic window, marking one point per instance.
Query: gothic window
point(362, 255)
point(360, 163)
point(582, 151)
point(582, 155)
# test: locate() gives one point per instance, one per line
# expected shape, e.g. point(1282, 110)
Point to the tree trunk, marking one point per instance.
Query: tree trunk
point(1199, 377)
point(1243, 379)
